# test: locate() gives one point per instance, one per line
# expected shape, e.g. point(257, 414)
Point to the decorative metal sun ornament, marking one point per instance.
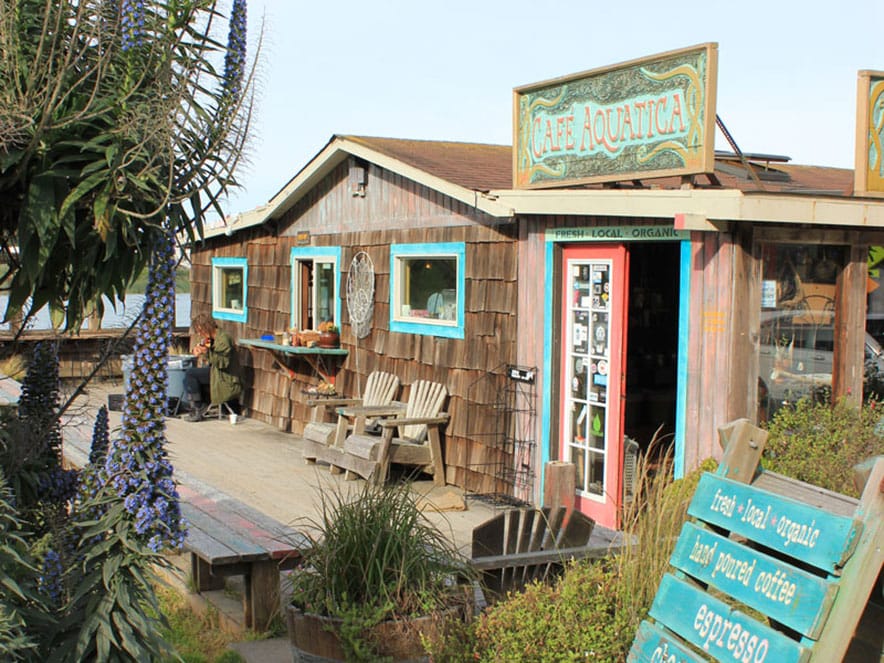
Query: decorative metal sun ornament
point(360, 294)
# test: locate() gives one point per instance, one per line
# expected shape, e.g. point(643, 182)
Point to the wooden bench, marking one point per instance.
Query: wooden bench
point(760, 545)
point(228, 538)
point(518, 546)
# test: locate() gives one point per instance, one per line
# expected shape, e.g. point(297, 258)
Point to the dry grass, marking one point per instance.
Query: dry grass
point(197, 638)
point(653, 522)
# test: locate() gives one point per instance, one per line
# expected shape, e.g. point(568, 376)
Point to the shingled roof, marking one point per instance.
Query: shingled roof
point(485, 167)
point(475, 166)
point(480, 175)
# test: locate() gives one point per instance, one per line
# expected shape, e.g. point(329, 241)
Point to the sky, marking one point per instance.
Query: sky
point(446, 70)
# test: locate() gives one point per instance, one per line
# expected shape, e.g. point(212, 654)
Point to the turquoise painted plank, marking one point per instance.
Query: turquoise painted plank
point(721, 632)
point(548, 328)
point(798, 599)
point(654, 645)
point(684, 320)
point(795, 529)
point(292, 349)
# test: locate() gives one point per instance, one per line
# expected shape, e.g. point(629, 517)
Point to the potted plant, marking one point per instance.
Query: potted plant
point(329, 335)
point(376, 578)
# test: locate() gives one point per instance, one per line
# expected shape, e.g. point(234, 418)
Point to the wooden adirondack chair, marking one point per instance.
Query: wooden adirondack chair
point(409, 438)
point(321, 436)
point(520, 545)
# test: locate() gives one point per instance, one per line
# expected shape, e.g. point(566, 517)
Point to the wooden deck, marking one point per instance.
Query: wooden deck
point(263, 467)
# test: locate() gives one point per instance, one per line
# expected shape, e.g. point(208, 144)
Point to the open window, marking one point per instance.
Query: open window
point(230, 279)
point(316, 285)
point(427, 289)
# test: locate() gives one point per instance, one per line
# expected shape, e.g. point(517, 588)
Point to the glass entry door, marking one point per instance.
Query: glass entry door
point(593, 385)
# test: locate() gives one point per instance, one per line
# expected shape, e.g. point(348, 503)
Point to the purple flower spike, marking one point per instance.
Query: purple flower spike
point(235, 60)
point(137, 462)
point(132, 23)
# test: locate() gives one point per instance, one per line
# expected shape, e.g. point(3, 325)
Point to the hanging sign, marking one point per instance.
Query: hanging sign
point(645, 118)
point(869, 171)
point(617, 234)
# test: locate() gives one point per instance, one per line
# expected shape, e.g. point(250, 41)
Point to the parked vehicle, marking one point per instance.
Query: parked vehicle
point(875, 326)
point(796, 357)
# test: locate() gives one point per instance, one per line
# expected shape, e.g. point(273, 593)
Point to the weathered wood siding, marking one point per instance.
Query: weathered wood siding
point(394, 210)
point(712, 328)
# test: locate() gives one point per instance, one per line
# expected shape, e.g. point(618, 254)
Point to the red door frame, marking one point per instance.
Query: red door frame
point(605, 509)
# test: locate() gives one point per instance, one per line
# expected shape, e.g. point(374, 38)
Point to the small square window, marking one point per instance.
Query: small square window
point(427, 290)
point(230, 278)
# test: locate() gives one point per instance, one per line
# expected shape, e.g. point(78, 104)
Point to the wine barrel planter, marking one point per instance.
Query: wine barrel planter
point(314, 638)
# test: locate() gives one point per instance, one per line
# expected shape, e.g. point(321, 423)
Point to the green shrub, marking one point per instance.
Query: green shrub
point(820, 443)
point(593, 611)
point(576, 619)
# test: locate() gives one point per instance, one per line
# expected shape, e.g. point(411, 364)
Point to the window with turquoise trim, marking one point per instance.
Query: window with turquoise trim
point(427, 289)
point(230, 284)
point(316, 286)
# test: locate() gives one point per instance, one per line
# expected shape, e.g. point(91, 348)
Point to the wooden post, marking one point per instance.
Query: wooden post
point(201, 574)
point(94, 320)
point(743, 444)
point(560, 485)
point(261, 595)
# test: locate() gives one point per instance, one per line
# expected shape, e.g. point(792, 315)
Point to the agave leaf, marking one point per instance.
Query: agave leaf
point(83, 188)
point(57, 314)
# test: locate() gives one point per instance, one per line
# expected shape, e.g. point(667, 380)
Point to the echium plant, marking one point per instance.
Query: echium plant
point(33, 451)
point(93, 476)
point(100, 438)
point(137, 464)
point(17, 601)
point(134, 512)
point(131, 23)
point(112, 114)
point(235, 59)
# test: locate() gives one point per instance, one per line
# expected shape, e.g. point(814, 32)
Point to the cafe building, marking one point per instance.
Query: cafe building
point(608, 279)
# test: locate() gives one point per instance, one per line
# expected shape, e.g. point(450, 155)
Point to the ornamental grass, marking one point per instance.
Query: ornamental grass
point(376, 549)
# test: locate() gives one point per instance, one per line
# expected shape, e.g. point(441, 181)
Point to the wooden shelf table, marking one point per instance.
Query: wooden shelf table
point(324, 362)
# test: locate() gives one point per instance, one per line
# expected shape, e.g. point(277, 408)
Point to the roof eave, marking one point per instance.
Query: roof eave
point(713, 205)
point(340, 148)
point(237, 222)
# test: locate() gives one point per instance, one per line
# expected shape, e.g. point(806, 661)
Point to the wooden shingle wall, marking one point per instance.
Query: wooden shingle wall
point(393, 211)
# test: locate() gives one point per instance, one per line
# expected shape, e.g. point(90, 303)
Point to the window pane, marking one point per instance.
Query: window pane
point(316, 288)
point(232, 288)
point(325, 291)
point(429, 288)
point(797, 323)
